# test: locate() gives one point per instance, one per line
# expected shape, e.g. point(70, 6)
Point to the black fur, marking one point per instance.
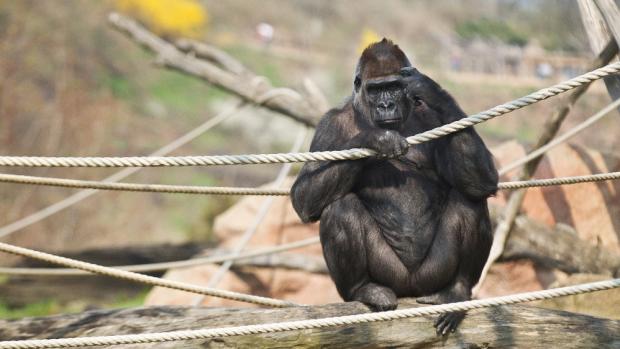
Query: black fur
point(415, 222)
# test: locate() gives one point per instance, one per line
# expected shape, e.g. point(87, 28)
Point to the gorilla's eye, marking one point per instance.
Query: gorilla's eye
point(357, 83)
point(407, 71)
point(418, 102)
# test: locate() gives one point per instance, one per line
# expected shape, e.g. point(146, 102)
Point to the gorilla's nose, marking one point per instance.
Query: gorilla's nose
point(386, 106)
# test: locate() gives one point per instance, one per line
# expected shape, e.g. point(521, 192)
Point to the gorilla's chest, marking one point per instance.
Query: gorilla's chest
point(412, 174)
point(403, 194)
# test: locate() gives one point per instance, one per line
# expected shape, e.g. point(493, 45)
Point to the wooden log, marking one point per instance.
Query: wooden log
point(513, 326)
point(126, 254)
point(18, 291)
point(556, 247)
point(601, 20)
point(213, 54)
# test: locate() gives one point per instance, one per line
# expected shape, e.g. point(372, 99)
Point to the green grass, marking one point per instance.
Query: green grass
point(41, 308)
point(259, 62)
point(488, 28)
point(215, 138)
point(129, 301)
point(179, 92)
point(50, 306)
point(120, 86)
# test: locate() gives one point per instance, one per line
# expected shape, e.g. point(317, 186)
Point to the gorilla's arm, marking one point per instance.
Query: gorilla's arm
point(462, 158)
point(321, 183)
point(464, 161)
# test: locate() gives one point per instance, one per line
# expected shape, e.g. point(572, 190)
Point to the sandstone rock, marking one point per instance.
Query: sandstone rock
point(281, 225)
point(593, 209)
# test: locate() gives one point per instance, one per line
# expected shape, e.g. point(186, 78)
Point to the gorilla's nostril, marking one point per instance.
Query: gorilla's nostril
point(386, 106)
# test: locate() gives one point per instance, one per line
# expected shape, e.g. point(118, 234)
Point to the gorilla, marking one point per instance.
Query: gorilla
point(412, 221)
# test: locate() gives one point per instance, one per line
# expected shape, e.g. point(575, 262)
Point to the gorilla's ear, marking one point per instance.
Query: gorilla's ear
point(357, 83)
point(408, 71)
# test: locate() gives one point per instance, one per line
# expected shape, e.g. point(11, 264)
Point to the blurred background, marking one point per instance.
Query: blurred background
point(70, 85)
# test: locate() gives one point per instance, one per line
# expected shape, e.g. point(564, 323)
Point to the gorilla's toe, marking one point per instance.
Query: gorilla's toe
point(448, 322)
point(378, 298)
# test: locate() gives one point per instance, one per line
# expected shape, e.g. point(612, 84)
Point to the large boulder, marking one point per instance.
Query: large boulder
point(280, 226)
point(593, 209)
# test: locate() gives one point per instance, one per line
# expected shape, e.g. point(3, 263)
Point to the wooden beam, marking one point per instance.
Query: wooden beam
point(601, 20)
point(513, 326)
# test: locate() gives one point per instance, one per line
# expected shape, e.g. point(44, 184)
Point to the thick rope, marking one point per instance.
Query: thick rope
point(166, 161)
point(561, 139)
point(350, 154)
point(184, 189)
point(77, 197)
point(151, 267)
point(137, 187)
point(308, 324)
point(560, 181)
point(145, 279)
point(234, 256)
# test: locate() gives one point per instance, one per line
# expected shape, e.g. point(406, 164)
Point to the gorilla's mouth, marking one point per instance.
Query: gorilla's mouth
point(390, 123)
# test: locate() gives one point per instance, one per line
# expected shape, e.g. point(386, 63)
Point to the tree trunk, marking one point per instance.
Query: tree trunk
point(500, 327)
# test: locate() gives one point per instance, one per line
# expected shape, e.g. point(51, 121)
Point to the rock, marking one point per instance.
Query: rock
point(593, 209)
point(296, 286)
point(281, 225)
point(511, 277)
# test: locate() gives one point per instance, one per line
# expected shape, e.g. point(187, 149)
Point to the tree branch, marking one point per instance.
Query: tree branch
point(253, 89)
point(213, 54)
point(558, 247)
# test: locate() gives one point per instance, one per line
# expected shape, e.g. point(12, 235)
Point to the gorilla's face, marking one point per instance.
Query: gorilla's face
point(378, 90)
point(385, 101)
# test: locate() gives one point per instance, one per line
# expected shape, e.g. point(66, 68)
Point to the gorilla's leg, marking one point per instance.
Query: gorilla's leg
point(467, 227)
point(345, 224)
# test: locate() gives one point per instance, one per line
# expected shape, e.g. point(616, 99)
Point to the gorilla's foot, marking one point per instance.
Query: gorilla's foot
point(378, 298)
point(456, 293)
point(435, 298)
point(447, 322)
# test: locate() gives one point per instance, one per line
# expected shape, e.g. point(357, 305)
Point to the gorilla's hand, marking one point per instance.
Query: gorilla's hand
point(387, 143)
point(431, 105)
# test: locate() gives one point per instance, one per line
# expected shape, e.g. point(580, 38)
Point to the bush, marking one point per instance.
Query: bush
point(168, 17)
point(487, 29)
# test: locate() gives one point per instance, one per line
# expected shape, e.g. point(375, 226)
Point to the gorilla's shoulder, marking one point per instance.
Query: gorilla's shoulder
point(345, 108)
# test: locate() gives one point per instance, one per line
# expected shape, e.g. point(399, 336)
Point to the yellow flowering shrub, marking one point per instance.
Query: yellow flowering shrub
point(167, 17)
point(368, 37)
